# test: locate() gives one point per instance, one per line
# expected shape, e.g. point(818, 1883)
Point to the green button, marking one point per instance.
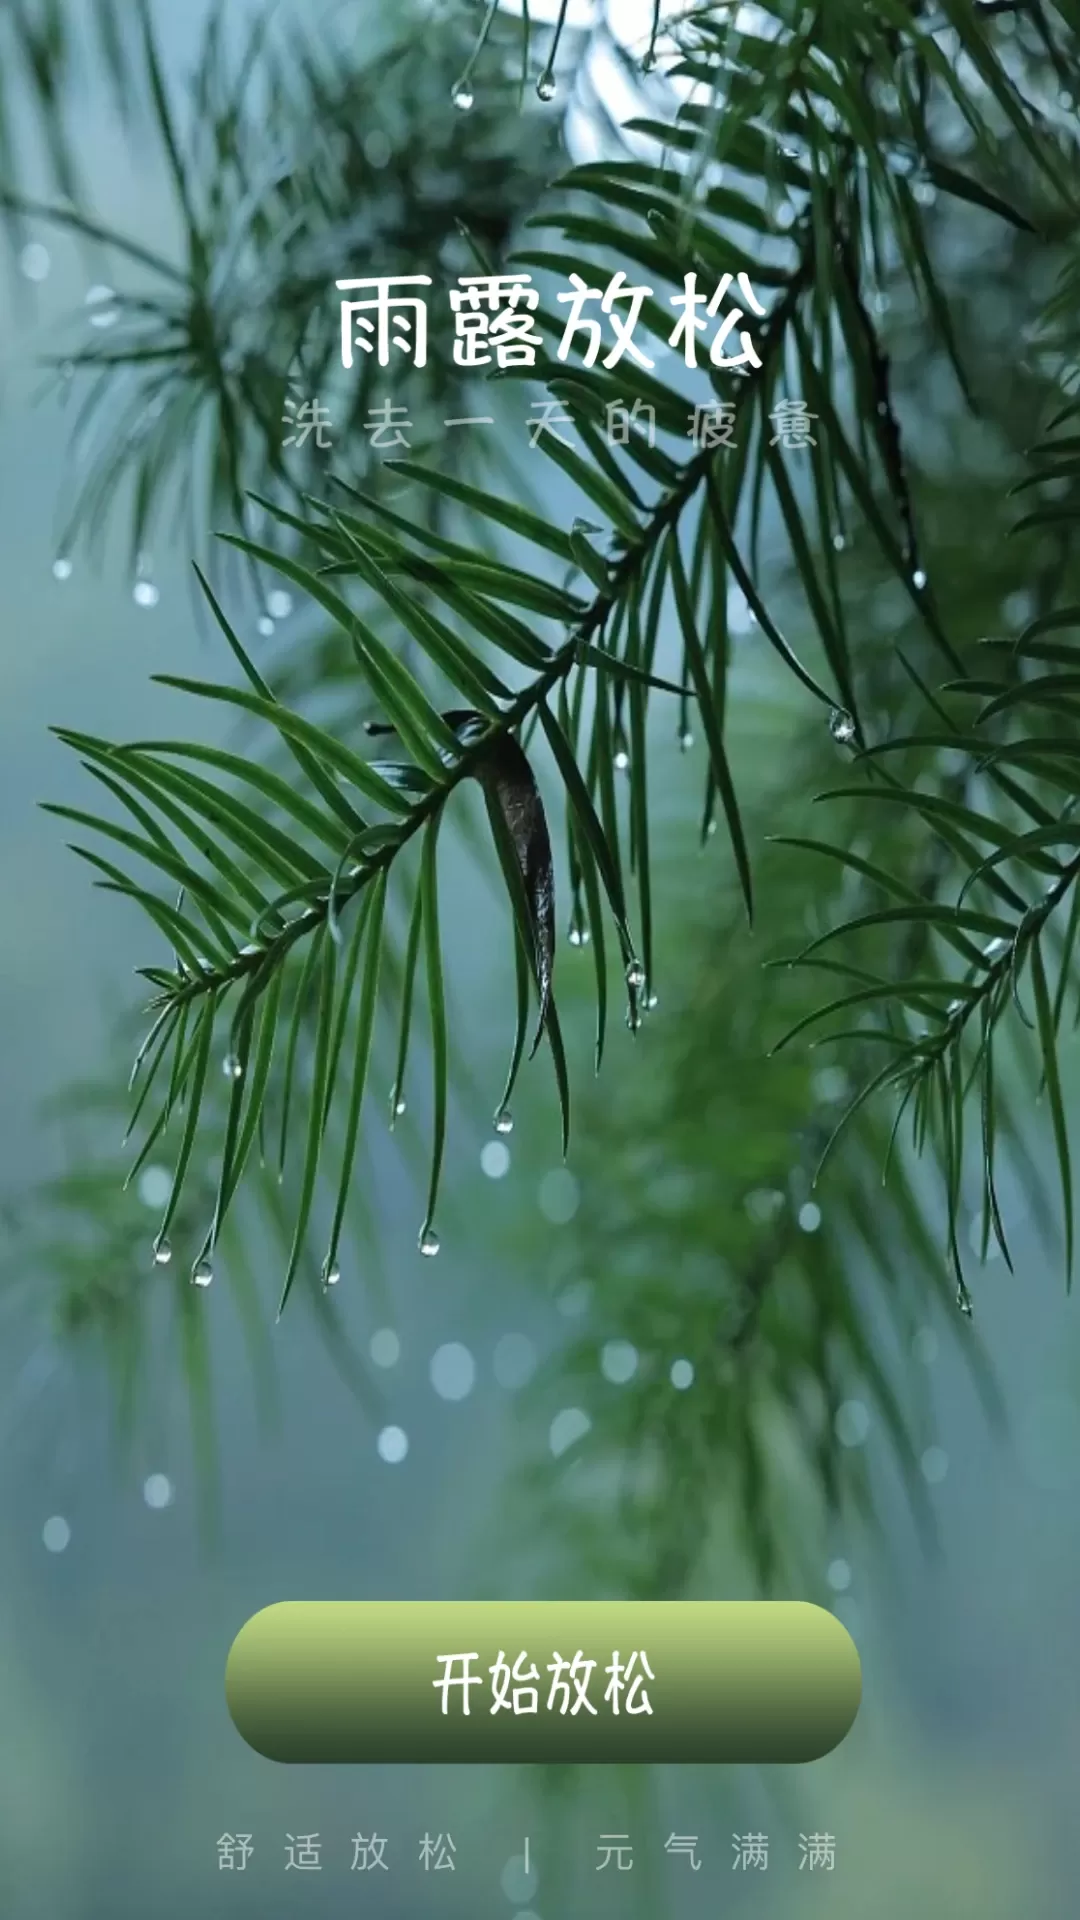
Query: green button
point(699, 1680)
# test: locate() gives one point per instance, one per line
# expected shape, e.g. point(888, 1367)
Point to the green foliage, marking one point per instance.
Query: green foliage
point(296, 884)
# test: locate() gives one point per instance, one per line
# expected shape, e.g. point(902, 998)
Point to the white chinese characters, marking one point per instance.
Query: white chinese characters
point(513, 1689)
point(303, 1853)
point(493, 317)
point(495, 320)
point(385, 319)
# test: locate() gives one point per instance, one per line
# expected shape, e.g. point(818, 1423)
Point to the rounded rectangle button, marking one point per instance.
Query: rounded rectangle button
point(565, 1681)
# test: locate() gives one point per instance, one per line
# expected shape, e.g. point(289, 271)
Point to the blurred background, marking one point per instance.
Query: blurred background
point(433, 1439)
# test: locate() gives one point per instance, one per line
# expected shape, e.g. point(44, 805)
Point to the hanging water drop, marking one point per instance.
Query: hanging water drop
point(162, 1251)
point(34, 261)
point(622, 760)
point(232, 1067)
point(504, 1121)
point(652, 1001)
point(331, 1273)
point(61, 567)
point(918, 579)
point(839, 542)
point(963, 1300)
point(265, 625)
point(145, 594)
point(842, 726)
point(279, 604)
point(635, 976)
point(397, 1102)
point(462, 97)
point(686, 740)
point(429, 1243)
point(202, 1273)
point(545, 86)
point(103, 309)
point(633, 1018)
point(574, 937)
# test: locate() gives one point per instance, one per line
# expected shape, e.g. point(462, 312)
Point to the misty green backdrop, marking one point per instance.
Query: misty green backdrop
point(119, 1766)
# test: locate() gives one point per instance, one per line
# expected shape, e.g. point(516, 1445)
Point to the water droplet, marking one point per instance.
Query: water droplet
point(393, 1445)
point(265, 625)
point(652, 1001)
point(842, 726)
point(429, 1243)
point(155, 1186)
point(633, 1019)
point(279, 604)
point(567, 1428)
point(462, 97)
point(711, 828)
point(504, 1121)
point(918, 579)
point(809, 1217)
point(162, 1252)
point(839, 541)
point(618, 1361)
point(34, 261)
point(635, 976)
point(682, 1375)
point(686, 741)
point(622, 760)
point(377, 148)
point(573, 1301)
point(397, 1104)
point(61, 567)
point(145, 594)
point(202, 1273)
point(574, 937)
point(852, 1423)
point(495, 1159)
point(158, 1491)
point(559, 1196)
point(453, 1371)
point(102, 304)
point(963, 1300)
point(232, 1067)
point(545, 86)
point(838, 1576)
point(331, 1273)
point(385, 1347)
point(56, 1534)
